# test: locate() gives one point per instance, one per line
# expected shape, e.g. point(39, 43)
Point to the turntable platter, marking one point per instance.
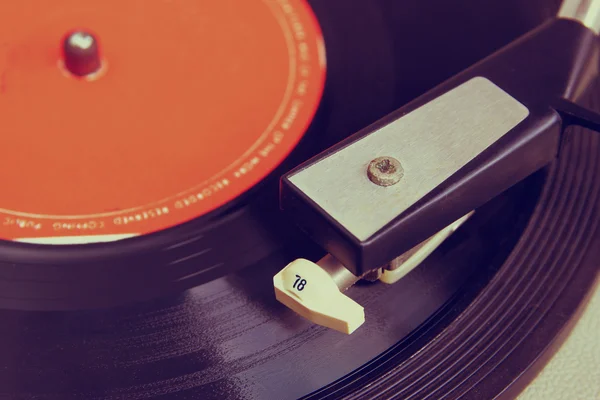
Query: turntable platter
point(188, 310)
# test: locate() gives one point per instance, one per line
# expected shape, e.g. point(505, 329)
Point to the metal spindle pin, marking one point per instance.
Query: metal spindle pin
point(81, 53)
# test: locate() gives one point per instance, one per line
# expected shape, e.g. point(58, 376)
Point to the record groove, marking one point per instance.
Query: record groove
point(450, 329)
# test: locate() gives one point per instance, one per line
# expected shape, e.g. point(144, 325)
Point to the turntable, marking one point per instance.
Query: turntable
point(282, 199)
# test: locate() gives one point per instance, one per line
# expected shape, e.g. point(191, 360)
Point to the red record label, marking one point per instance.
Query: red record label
point(196, 103)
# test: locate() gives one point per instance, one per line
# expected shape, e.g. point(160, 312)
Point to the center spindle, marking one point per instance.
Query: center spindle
point(81, 53)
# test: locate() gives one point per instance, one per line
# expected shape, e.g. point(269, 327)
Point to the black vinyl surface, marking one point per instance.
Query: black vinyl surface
point(230, 338)
point(467, 324)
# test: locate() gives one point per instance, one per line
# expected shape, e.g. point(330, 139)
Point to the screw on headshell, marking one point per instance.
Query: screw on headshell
point(385, 171)
point(81, 53)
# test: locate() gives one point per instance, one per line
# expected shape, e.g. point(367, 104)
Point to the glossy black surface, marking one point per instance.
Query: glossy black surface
point(231, 339)
point(468, 324)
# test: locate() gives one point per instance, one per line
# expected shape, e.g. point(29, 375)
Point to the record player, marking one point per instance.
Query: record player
point(297, 198)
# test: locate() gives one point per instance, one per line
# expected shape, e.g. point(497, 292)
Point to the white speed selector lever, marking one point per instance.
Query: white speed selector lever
point(315, 292)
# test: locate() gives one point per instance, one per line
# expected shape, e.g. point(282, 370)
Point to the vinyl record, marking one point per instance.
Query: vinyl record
point(93, 177)
point(371, 61)
point(466, 324)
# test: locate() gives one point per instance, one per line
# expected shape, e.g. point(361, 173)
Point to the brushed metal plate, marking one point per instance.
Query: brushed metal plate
point(432, 143)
